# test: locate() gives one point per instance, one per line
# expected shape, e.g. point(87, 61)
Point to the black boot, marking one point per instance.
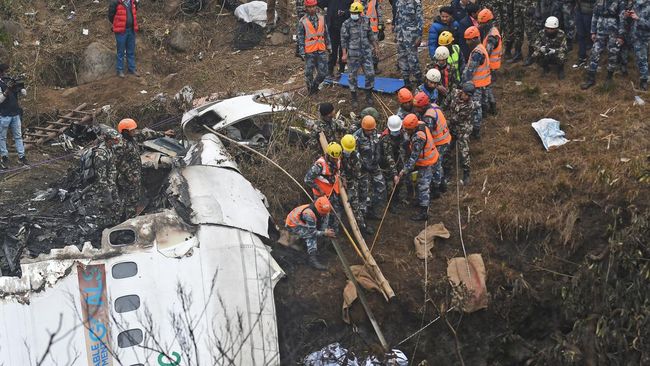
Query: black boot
point(569, 45)
point(341, 68)
point(609, 79)
point(560, 71)
point(545, 68)
point(476, 133)
point(493, 108)
point(516, 57)
point(624, 70)
point(643, 84)
point(313, 261)
point(443, 186)
point(377, 69)
point(529, 61)
point(407, 84)
point(367, 230)
point(354, 101)
point(421, 215)
point(466, 179)
point(372, 213)
point(435, 192)
point(313, 89)
point(508, 54)
point(589, 81)
point(369, 100)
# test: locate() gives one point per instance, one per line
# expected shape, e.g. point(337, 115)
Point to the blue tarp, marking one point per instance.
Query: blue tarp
point(382, 85)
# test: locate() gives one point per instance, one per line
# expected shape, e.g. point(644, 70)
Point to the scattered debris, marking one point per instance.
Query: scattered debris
point(638, 101)
point(336, 355)
point(550, 133)
point(425, 241)
point(183, 99)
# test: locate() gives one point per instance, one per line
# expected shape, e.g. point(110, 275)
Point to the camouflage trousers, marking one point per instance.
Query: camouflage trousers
point(443, 161)
point(308, 236)
point(404, 190)
point(352, 189)
point(333, 222)
point(567, 16)
point(555, 59)
point(372, 189)
point(130, 195)
point(641, 43)
point(523, 24)
point(626, 50)
point(408, 61)
point(460, 141)
point(480, 98)
point(315, 62)
point(605, 41)
point(365, 62)
point(423, 185)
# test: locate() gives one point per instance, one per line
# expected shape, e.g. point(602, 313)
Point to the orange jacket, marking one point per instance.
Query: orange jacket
point(441, 135)
point(497, 52)
point(429, 155)
point(327, 176)
point(482, 76)
point(294, 218)
point(371, 12)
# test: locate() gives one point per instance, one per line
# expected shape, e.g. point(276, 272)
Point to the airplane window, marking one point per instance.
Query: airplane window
point(130, 338)
point(125, 270)
point(127, 303)
point(122, 237)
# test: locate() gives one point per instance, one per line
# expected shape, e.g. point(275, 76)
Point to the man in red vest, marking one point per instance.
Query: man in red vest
point(122, 14)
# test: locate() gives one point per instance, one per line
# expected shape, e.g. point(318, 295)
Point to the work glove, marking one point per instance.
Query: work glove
point(543, 49)
point(381, 35)
point(551, 51)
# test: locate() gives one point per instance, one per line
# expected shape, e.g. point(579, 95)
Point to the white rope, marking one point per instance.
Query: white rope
point(460, 224)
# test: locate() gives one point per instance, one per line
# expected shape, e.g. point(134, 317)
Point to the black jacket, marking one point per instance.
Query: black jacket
point(332, 17)
point(9, 107)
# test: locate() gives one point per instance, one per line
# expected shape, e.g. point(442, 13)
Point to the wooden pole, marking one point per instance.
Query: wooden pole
point(370, 261)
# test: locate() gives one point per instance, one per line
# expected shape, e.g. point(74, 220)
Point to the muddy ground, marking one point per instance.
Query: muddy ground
point(538, 218)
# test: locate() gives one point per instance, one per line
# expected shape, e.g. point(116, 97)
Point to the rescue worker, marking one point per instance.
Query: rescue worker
point(313, 45)
point(368, 111)
point(337, 13)
point(493, 44)
point(352, 179)
point(99, 200)
point(423, 156)
point(454, 56)
point(324, 179)
point(477, 71)
point(332, 127)
point(372, 187)
point(431, 87)
point(443, 23)
point(460, 110)
point(407, 26)
point(584, 13)
point(432, 116)
point(392, 160)
point(449, 76)
point(525, 25)
point(640, 15)
point(606, 33)
point(372, 10)
point(550, 47)
point(309, 222)
point(405, 100)
point(359, 44)
point(564, 11)
point(129, 164)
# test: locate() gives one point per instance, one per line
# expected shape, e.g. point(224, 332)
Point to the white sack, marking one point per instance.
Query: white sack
point(255, 11)
point(549, 131)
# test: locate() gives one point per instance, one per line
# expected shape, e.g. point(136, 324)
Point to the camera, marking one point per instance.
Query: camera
point(18, 81)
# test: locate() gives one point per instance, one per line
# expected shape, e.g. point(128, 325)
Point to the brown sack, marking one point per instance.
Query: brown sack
point(473, 295)
point(424, 242)
point(365, 280)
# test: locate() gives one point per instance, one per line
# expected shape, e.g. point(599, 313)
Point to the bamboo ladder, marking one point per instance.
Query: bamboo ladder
point(55, 128)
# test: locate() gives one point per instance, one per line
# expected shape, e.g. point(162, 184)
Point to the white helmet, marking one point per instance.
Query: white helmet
point(552, 23)
point(442, 53)
point(434, 76)
point(394, 123)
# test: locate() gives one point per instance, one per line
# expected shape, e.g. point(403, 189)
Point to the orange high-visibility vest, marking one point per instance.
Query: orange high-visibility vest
point(328, 180)
point(294, 218)
point(371, 12)
point(482, 76)
point(429, 154)
point(441, 135)
point(497, 52)
point(314, 37)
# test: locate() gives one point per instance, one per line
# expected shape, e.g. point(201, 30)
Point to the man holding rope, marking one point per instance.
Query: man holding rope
point(305, 220)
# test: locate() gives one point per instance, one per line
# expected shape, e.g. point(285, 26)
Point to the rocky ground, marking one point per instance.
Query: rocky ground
point(563, 233)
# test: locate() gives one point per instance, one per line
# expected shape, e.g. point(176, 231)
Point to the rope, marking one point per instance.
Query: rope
point(423, 328)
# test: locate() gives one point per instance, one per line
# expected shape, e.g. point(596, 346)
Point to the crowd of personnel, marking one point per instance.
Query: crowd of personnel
point(447, 105)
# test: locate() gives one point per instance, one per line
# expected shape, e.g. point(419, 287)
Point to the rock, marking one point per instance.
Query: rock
point(182, 36)
point(68, 92)
point(14, 29)
point(98, 62)
point(278, 38)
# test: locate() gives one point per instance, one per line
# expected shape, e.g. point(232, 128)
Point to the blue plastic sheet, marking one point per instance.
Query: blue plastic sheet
point(382, 85)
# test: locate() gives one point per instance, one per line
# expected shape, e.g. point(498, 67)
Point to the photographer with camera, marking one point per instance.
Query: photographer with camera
point(10, 114)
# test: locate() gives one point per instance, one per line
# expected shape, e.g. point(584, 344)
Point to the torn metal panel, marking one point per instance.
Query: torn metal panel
point(166, 145)
point(210, 151)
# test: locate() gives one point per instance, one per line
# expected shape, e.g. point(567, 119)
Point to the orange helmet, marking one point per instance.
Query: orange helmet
point(311, 2)
point(410, 121)
point(404, 95)
point(368, 123)
point(126, 124)
point(485, 16)
point(323, 205)
point(472, 32)
point(420, 100)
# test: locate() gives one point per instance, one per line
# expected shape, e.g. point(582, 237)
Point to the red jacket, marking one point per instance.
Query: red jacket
point(119, 20)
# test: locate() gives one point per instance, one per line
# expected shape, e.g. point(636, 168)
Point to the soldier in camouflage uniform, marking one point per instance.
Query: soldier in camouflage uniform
point(524, 24)
point(313, 46)
point(606, 32)
point(129, 164)
point(309, 222)
point(393, 151)
point(372, 187)
point(408, 32)
point(460, 109)
point(564, 10)
point(352, 178)
point(99, 201)
point(333, 128)
point(359, 44)
point(640, 15)
point(550, 47)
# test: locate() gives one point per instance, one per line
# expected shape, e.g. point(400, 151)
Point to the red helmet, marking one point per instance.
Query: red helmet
point(410, 121)
point(472, 32)
point(323, 205)
point(404, 95)
point(421, 99)
point(485, 16)
point(311, 2)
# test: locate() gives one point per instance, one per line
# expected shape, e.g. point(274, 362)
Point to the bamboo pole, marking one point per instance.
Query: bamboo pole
point(370, 261)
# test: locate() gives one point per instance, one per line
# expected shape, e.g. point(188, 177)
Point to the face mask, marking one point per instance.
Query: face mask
point(551, 34)
point(354, 16)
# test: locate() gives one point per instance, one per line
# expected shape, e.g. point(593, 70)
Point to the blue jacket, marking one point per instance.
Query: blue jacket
point(438, 27)
point(464, 24)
